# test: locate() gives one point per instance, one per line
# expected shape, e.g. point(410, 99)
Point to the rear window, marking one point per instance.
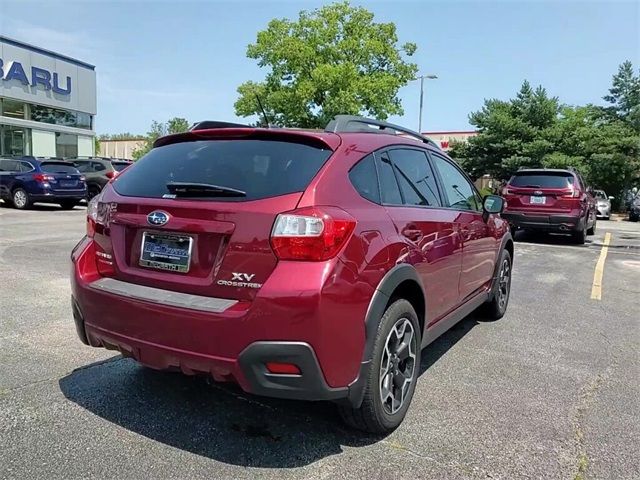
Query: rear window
point(261, 168)
point(542, 180)
point(119, 166)
point(57, 167)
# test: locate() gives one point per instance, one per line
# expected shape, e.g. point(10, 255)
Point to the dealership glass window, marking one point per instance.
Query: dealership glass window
point(12, 108)
point(15, 140)
point(66, 145)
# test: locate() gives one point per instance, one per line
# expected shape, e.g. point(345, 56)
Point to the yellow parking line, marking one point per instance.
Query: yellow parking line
point(596, 290)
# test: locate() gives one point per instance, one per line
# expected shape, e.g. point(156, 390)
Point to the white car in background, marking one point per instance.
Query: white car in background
point(603, 204)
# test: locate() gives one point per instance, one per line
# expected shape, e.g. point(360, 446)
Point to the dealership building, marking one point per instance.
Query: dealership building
point(47, 102)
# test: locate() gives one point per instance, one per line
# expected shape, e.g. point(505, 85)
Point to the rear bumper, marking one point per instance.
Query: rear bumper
point(230, 342)
point(54, 197)
point(545, 221)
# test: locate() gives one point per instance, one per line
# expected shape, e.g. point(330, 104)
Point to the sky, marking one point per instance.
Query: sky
point(161, 59)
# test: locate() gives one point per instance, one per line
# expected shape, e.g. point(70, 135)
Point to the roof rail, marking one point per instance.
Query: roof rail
point(210, 124)
point(357, 124)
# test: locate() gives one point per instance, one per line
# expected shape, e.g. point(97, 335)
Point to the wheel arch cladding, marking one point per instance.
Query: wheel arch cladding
point(402, 281)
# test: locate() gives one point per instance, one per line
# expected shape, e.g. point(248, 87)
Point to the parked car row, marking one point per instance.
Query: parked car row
point(27, 180)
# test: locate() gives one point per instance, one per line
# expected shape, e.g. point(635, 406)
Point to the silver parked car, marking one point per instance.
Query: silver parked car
point(603, 204)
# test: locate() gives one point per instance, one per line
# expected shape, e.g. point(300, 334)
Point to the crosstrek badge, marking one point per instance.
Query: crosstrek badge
point(242, 280)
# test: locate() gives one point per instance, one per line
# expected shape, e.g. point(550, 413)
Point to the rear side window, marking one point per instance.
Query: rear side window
point(97, 167)
point(83, 167)
point(365, 179)
point(119, 166)
point(416, 179)
point(9, 166)
point(389, 190)
point(542, 180)
point(57, 167)
point(261, 168)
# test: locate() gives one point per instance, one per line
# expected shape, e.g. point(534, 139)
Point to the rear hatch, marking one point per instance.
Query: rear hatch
point(63, 177)
point(196, 216)
point(542, 191)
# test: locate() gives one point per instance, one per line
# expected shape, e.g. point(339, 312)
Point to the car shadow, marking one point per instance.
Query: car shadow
point(544, 238)
point(219, 421)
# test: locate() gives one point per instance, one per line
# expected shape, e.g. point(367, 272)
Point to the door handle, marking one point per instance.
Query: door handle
point(412, 234)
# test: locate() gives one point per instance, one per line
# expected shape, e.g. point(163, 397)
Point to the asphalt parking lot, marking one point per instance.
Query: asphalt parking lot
point(549, 391)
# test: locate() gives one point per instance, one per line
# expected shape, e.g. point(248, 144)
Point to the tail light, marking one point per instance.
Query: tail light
point(314, 234)
point(98, 216)
point(506, 191)
point(111, 175)
point(42, 178)
point(572, 193)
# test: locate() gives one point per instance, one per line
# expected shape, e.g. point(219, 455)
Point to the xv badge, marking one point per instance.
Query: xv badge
point(242, 277)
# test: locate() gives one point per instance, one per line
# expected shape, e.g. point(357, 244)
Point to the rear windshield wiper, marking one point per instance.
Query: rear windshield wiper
point(188, 189)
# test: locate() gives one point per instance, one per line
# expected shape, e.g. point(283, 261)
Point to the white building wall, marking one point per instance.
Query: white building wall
point(43, 143)
point(85, 146)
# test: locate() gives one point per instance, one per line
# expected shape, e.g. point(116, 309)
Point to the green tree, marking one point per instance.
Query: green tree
point(157, 130)
point(511, 134)
point(624, 95)
point(332, 60)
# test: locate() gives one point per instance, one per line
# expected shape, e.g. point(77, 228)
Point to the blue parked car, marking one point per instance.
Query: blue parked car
point(26, 180)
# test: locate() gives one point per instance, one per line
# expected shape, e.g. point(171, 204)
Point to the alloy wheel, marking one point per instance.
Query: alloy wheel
point(398, 365)
point(504, 284)
point(20, 199)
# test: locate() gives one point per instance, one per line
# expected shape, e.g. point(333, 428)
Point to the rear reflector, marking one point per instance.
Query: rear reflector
point(283, 368)
point(315, 233)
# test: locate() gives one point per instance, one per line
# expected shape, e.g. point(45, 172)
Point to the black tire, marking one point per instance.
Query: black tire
point(592, 230)
point(497, 305)
point(513, 229)
point(20, 199)
point(633, 217)
point(92, 191)
point(68, 204)
point(373, 415)
point(579, 236)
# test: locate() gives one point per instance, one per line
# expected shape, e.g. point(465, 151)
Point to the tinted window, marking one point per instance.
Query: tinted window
point(25, 167)
point(97, 167)
point(58, 167)
point(389, 191)
point(542, 180)
point(261, 168)
point(83, 167)
point(415, 177)
point(365, 180)
point(9, 166)
point(119, 166)
point(458, 191)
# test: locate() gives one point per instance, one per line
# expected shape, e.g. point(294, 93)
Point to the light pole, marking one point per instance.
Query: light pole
point(422, 77)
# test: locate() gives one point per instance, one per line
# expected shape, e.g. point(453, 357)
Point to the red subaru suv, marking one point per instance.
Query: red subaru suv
point(550, 200)
point(310, 265)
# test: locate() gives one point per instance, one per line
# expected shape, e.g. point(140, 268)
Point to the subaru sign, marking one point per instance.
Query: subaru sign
point(41, 77)
point(38, 77)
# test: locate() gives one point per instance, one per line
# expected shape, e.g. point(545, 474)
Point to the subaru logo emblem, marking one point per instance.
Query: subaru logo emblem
point(157, 218)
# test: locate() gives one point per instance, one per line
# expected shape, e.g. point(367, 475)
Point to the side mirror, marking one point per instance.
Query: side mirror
point(492, 204)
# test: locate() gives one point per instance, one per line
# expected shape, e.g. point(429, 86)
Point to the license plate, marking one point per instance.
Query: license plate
point(538, 200)
point(68, 183)
point(166, 252)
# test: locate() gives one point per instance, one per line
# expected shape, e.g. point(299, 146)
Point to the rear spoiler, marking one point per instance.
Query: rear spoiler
point(306, 137)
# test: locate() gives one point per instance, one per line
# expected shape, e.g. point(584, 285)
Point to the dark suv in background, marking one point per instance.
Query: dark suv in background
point(98, 171)
point(26, 180)
point(311, 265)
point(550, 200)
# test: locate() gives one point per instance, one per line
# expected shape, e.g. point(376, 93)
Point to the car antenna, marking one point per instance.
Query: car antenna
point(264, 114)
